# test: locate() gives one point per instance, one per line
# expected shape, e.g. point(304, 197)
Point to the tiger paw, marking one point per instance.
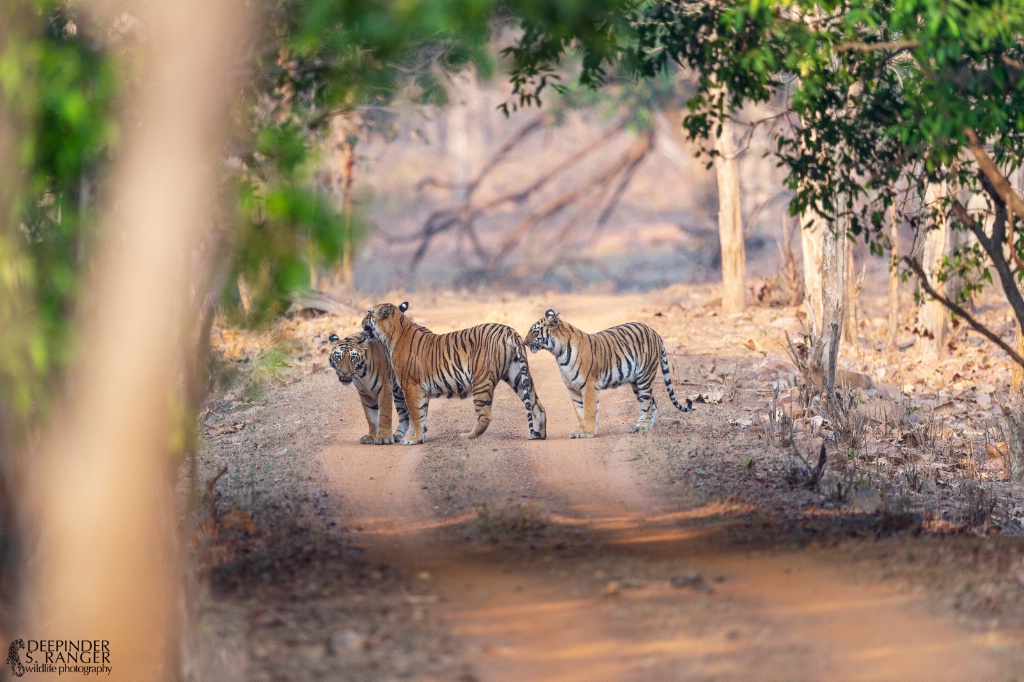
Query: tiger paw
point(407, 441)
point(383, 440)
point(637, 428)
point(581, 434)
point(536, 435)
point(367, 440)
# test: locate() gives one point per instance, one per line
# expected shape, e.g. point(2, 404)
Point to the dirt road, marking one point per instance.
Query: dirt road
point(573, 560)
point(684, 554)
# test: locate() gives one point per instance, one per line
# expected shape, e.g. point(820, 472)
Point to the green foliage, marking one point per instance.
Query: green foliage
point(266, 367)
point(597, 32)
point(314, 59)
point(284, 224)
point(67, 86)
point(640, 100)
point(318, 59)
point(880, 98)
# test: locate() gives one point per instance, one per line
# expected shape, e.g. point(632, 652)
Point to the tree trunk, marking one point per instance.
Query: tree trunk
point(894, 280)
point(102, 495)
point(832, 278)
point(812, 230)
point(730, 221)
point(348, 161)
point(459, 152)
point(852, 287)
point(932, 316)
point(1014, 409)
point(342, 145)
point(819, 365)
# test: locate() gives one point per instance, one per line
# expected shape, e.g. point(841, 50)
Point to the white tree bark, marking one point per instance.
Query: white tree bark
point(341, 165)
point(894, 280)
point(459, 152)
point(812, 231)
point(932, 316)
point(730, 221)
point(852, 289)
point(832, 294)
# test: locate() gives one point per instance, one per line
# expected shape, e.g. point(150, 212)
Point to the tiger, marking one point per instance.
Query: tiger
point(458, 363)
point(364, 362)
point(625, 354)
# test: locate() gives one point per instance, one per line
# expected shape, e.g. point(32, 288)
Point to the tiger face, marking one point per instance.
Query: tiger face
point(348, 357)
point(542, 333)
point(382, 319)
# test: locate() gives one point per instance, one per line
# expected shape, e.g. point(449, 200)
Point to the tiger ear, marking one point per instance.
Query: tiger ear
point(333, 338)
point(552, 316)
point(403, 306)
point(384, 311)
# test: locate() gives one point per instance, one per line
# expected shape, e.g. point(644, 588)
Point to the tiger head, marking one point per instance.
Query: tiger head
point(382, 320)
point(544, 333)
point(348, 357)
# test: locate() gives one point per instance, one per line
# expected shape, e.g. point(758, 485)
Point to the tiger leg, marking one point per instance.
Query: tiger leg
point(648, 407)
point(577, 402)
point(416, 400)
point(521, 382)
point(371, 411)
point(483, 397)
point(383, 431)
point(401, 409)
point(591, 405)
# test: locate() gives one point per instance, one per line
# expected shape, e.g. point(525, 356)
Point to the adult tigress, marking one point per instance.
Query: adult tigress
point(364, 362)
point(626, 354)
point(454, 364)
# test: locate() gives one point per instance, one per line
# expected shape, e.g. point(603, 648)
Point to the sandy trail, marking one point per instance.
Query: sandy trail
point(609, 609)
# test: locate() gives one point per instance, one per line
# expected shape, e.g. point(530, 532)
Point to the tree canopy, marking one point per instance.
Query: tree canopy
point(880, 99)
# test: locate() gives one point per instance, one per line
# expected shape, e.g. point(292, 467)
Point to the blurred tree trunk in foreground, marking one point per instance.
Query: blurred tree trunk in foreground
point(103, 514)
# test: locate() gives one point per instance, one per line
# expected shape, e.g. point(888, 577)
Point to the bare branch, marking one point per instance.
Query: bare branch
point(464, 215)
point(959, 310)
point(632, 162)
point(1002, 186)
point(1013, 63)
point(994, 248)
point(896, 45)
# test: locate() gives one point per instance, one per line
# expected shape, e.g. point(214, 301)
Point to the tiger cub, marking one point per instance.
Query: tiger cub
point(458, 363)
point(364, 362)
point(626, 354)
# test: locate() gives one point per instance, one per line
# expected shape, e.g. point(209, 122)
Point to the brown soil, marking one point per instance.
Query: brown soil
point(681, 555)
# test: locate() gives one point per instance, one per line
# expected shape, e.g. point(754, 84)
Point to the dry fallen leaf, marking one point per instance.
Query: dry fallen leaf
point(998, 451)
point(236, 518)
point(222, 429)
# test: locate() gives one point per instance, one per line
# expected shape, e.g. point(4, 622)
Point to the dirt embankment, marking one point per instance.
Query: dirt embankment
point(683, 554)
